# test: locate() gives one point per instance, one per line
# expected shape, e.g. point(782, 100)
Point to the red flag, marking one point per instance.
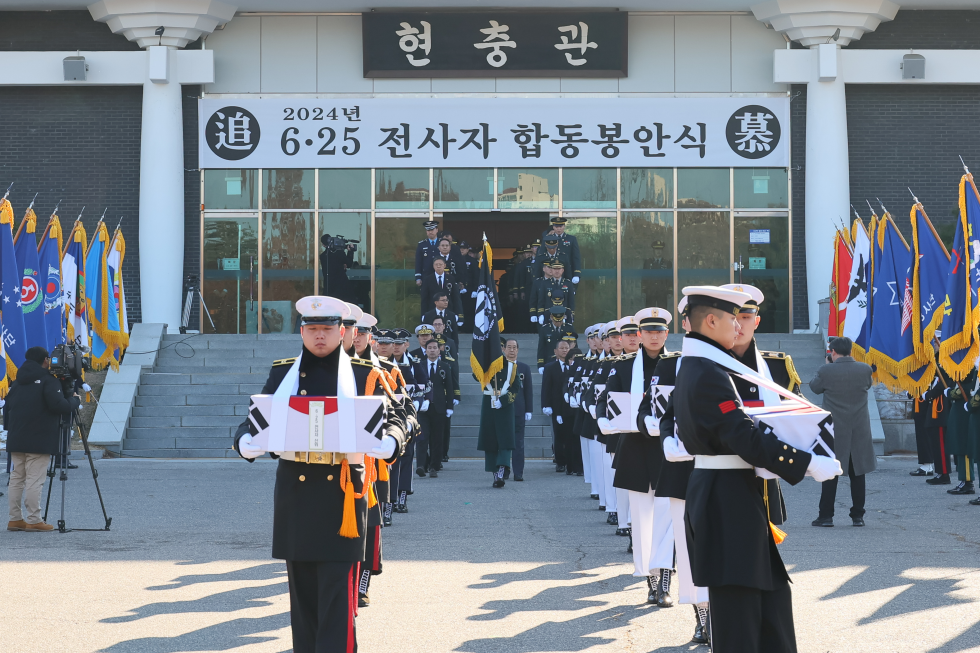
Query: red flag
point(841, 277)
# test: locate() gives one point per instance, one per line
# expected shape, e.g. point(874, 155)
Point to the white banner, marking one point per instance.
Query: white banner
point(493, 132)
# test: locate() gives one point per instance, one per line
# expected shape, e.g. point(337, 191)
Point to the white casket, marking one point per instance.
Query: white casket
point(313, 424)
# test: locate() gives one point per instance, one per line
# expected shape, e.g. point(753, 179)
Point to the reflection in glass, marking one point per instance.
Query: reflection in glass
point(402, 188)
point(230, 283)
point(470, 188)
point(287, 268)
point(648, 261)
point(647, 188)
point(345, 189)
point(702, 248)
point(761, 188)
point(763, 246)
point(527, 188)
point(397, 297)
point(589, 188)
point(595, 296)
point(702, 188)
point(287, 189)
point(345, 268)
point(229, 189)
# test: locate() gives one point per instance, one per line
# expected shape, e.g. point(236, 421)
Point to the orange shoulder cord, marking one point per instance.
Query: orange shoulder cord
point(348, 526)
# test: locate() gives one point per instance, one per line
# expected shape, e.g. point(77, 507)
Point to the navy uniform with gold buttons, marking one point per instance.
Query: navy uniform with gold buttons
point(309, 500)
point(567, 245)
point(426, 250)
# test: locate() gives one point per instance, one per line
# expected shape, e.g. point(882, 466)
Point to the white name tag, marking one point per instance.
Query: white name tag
point(316, 426)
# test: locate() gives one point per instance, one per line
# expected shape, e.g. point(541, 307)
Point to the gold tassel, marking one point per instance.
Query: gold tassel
point(778, 535)
point(935, 413)
point(383, 474)
point(348, 526)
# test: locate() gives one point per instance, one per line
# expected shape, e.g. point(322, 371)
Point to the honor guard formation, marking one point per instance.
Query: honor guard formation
point(665, 442)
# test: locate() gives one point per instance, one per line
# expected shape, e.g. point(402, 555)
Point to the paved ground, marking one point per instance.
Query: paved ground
point(530, 568)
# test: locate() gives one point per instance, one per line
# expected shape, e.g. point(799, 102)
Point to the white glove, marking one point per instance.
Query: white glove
point(495, 403)
point(547, 411)
point(946, 392)
point(473, 294)
point(674, 450)
point(462, 291)
point(558, 419)
point(527, 417)
point(653, 427)
point(541, 320)
point(386, 448)
point(416, 405)
point(425, 406)
point(823, 468)
point(604, 426)
point(455, 402)
point(540, 370)
point(566, 397)
point(575, 280)
point(247, 449)
point(573, 402)
point(592, 411)
point(86, 387)
point(449, 412)
point(459, 322)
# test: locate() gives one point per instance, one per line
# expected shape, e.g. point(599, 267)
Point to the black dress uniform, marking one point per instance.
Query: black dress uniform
point(549, 255)
point(322, 566)
point(551, 334)
point(401, 472)
point(568, 455)
point(425, 251)
point(449, 319)
point(731, 546)
point(440, 380)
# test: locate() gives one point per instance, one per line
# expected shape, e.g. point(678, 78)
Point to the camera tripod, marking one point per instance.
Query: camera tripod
point(64, 451)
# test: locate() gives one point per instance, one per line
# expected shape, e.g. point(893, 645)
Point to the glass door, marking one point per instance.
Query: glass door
point(230, 272)
point(288, 272)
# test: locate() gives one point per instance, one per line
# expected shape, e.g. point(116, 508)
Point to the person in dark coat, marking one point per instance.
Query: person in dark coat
point(437, 282)
point(845, 384)
point(426, 250)
point(444, 309)
point(568, 245)
point(523, 407)
point(440, 408)
point(731, 546)
point(320, 505)
point(496, 435)
point(32, 416)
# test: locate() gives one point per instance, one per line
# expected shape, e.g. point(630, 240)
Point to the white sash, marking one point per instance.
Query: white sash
point(346, 391)
point(636, 383)
point(701, 349)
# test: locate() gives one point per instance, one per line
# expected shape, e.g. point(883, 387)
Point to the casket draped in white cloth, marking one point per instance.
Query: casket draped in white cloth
point(314, 424)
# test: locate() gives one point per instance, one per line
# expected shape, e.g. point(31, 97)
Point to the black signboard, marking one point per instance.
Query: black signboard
point(495, 44)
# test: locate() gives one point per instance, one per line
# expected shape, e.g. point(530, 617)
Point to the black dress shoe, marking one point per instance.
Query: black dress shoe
point(420, 472)
point(519, 479)
point(594, 496)
point(445, 459)
point(664, 599)
point(410, 492)
point(622, 532)
point(68, 466)
point(651, 590)
point(498, 482)
point(387, 521)
point(857, 521)
point(568, 472)
point(629, 547)
point(939, 479)
point(433, 473)
point(602, 507)
point(612, 519)
point(919, 472)
point(975, 502)
point(363, 601)
point(560, 469)
point(580, 473)
point(963, 488)
point(826, 522)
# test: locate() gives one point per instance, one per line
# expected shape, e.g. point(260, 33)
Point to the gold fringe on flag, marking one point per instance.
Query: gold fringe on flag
point(924, 333)
point(965, 338)
point(119, 243)
point(98, 322)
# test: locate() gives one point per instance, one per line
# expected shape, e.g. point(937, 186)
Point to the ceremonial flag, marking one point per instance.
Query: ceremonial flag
point(31, 292)
point(73, 285)
point(862, 343)
point(961, 313)
point(839, 283)
point(114, 262)
point(103, 315)
point(486, 358)
point(11, 315)
point(857, 293)
point(928, 282)
point(49, 260)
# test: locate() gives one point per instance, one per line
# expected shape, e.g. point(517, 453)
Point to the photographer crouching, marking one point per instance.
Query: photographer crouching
point(32, 416)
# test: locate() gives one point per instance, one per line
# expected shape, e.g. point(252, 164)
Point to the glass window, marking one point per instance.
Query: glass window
point(397, 298)
point(648, 261)
point(345, 189)
point(762, 244)
point(595, 295)
point(230, 284)
point(647, 188)
point(345, 265)
point(702, 248)
point(589, 188)
point(761, 188)
point(470, 188)
point(287, 189)
point(402, 188)
point(702, 188)
point(229, 189)
point(527, 188)
point(287, 268)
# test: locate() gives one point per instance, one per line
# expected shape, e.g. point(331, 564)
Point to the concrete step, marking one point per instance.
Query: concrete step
point(164, 433)
point(181, 411)
point(192, 400)
point(185, 420)
point(178, 453)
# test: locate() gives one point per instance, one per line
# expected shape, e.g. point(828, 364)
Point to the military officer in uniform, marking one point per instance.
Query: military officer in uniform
point(568, 244)
point(440, 407)
point(350, 326)
point(426, 250)
point(413, 376)
point(496, 435)
point(321, 499)
point(731, 545)
point(555, 290)
point(551, 334)
point(363, 334)
point(550, 253)
point(613, 346)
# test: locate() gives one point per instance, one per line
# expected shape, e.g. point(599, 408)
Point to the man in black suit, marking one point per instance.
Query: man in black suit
point(440, 398)
point(440, 281)
point(523, 407)
point(553, 405)
point(442, 312)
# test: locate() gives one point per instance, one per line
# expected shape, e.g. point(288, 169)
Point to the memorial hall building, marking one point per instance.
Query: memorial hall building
point(684, 141)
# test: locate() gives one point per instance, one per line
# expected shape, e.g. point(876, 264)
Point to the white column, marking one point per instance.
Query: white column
point(826, 172)
point(161, 219)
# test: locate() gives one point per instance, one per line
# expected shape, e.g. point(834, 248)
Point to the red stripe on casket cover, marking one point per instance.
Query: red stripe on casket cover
point(727, 406)
point(302, 404)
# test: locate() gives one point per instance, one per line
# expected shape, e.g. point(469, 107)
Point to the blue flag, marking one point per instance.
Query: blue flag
point(31, 288)
point(11, 315)
point(49, 260)
point(928, 281)
point(103, 314)
point(961, 313)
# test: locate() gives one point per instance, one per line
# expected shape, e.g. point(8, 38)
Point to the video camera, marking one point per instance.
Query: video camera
point(335, 243)
point(69, 360)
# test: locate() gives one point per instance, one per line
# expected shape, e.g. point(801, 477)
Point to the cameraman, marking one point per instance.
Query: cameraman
point(32, 415)
point(337, 257)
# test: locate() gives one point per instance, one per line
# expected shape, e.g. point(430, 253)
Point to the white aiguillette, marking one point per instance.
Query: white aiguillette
point(316, 424)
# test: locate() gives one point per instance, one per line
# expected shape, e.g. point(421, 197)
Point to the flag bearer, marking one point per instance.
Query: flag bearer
point(496, 436)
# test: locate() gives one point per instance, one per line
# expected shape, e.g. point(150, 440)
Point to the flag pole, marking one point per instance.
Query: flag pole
point(55, 212)
point(870, 207)
point(939, 373)
point(32, 201)
point(882, 206)
point(965, 169)
point(120, 223)
point(12, 185)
